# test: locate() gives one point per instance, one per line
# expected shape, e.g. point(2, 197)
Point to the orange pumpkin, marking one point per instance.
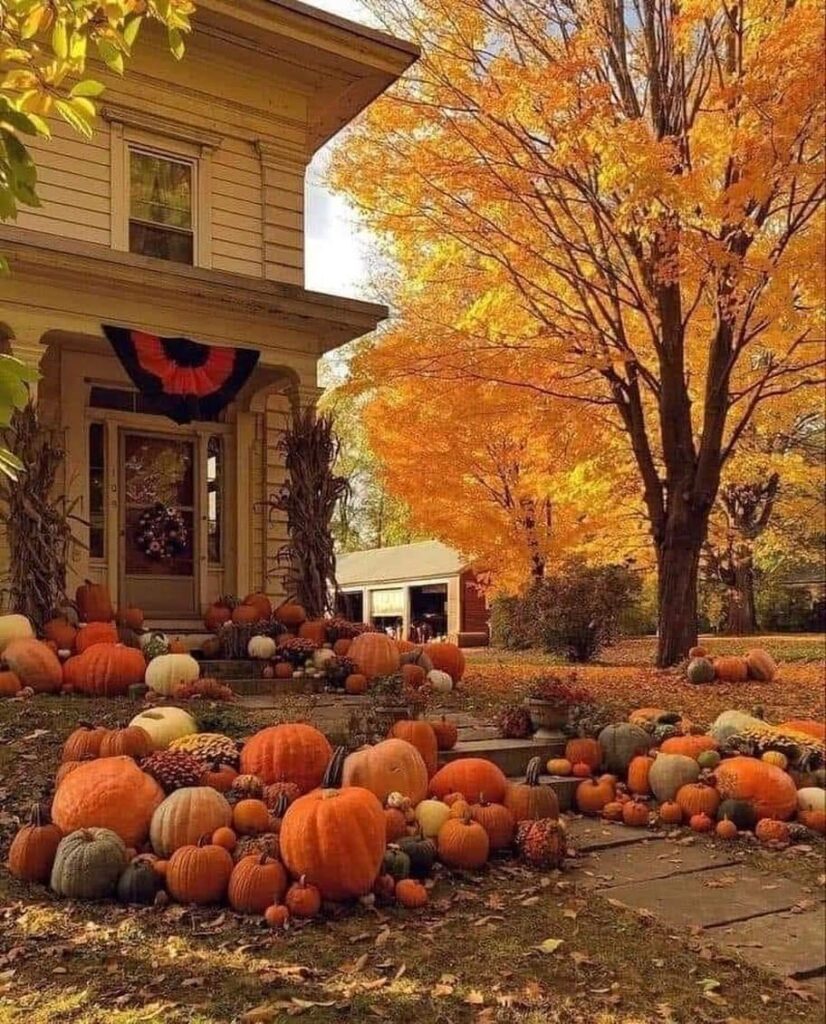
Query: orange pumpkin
point(497, 821)
point(698, 798)
point(806, 725)
point(219, 776)
point(581, 770)
point(250, 817)
point(688, 746)
point(224, 836)
point(130, 617)
point(294, 752)
point(104, 669)
point(731, 669)
point(342, 646)
point(255, 883)
point(413, 675)
point(109, 792)
point(95, 633)
point(61, 632)
point(767, 788)
point(34, 664)
point(411, 894)
point(635, 813)
point(129, 741)
point(245, 615)
point(283, 670)
point(84, 741)
point(375, 654)
point(768, 830)
point(216, 615)
point(638, 771)
point(593, 794)
point(459, 809)
point(261, 603)
point(199, 874)
point(447, 733)
point(335, 838)
point(94, 603)
point(700, 823)
point(463, 843)
point(33, 849)
point(726, 829)
point(395, 824)
point(290, 614)
point(697, 652)
point(277, 916)
point(315, 630)
point(670, 813)
point(530, 801)
point(303, 900)
point(423, 738)
point(391, 766)
point(815, 820)
point(612, 811)
point(448, 658)
point(10, 684)
point(472, 777)
point(584, 750)
point(355, 684)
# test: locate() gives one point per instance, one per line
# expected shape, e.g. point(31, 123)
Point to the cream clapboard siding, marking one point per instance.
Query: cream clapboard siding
point(250, 102)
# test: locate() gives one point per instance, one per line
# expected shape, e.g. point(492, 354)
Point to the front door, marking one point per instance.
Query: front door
point(158, 530)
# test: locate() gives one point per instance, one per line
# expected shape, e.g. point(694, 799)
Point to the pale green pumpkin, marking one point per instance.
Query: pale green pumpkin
point(88, 864)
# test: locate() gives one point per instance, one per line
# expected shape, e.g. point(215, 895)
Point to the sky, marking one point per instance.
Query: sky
point(338, 247)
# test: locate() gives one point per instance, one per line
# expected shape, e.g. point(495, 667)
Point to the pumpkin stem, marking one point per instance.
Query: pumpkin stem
point(281, 804)
point(533, 771)
point(332, 776)
point(39, 815)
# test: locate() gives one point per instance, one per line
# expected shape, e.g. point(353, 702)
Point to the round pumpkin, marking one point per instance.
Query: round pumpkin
point(255, 883)
point(61, 632)
point(130, 617)
point(303, 900)
point(559, 766)
point(726, 829)
point(770, 791)
point(447, 657)
point(529, 800)
point(731, 669)
point(413, 675)
point(440, 682)
point(689, 746)
point(700, 670)
point(14, 627)
point(697, 652)
point(186, 815)
point(760, 665)
point(593, 794)
point(497, 820)
point(10, 684)
point(261, 603)
point(638, 772)
point(292, 752)
point(199, 874)
point(423, 738)
point(775, 757)
point(165, 725)
point(84, 741)
point(33, 849)
point(262, 648)
point(669, 772)
point(250, 817)
point(335, 838)
point(770, 831)
point(130, 741)
point(167, 672)
point(290, 614)
point(88, 864)
point(473, 777)
point(698, 798)
point(315, 630)
point(35, 664)
point(94, 603)
point(700, 823)
point(355, 684)
point(109, 793)
point(139, 883)
point(447, 733)
point(620, 743)
point(410, 894)
point(670, 813)
point(105, 670)
point(216, 615)
point(245, 615)
point(391, 766)
point(395, 823)
point(635, 814)
point(463, 843)
point(811, 798)
point(375, 654)
point(95, 633)
point(431, 815)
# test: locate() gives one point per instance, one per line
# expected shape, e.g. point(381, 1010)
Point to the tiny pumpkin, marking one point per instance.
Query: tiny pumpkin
point(302, 899)
point(411, 894)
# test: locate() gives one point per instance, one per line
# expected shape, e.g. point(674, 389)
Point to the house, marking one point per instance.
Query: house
point(407, 587)
point(179, 227)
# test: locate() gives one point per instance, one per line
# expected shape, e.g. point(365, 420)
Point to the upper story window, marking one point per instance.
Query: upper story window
point(161, 208)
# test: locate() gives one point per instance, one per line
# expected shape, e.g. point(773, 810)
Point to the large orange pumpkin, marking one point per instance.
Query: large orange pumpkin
point(731, 669)
point(292, 752)
point(447, 658)
point(94, 603)
point(473, 777)
point(315, 630)
point(61, 632)
point(105, 670)
point(35, 664)
point(335, 838)
point(392, 766)
point(95, 633)
point(109, 792)
point(767, 788)
point(290, 614)
point(423, 738)
point(375, 654)
point(530, 801)
point(688, 746)
point(261, 603)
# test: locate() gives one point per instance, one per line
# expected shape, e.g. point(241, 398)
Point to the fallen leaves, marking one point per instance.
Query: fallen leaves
point(548, 946)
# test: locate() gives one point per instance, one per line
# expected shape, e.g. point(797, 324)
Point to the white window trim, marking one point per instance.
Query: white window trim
point(127, 137)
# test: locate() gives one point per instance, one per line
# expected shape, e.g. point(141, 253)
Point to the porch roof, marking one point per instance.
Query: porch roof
point(426, 559)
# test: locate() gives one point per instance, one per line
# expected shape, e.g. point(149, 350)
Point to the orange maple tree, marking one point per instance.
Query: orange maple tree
point(615, 205)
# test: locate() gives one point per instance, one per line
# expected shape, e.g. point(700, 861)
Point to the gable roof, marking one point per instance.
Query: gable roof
point(426, 559)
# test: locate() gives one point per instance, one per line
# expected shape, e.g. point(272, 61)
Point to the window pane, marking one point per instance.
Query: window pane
point(162, 243)
point(97, 491)
point(215, 497)
point(161, 190)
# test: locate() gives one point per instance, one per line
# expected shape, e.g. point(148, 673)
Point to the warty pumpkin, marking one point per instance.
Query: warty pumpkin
point(770, 831)
point(423, 738)
point(769, 790)
point(542, 843)
point(334, 837)
point(294, 752)
point(110, 793)
point(463, 843)
point(393, 765)
point(33, 848)
point(35, 664)
point(199, 874)
point(88, 864)
point(529, 800)
point(186, 815)
point(472, 777)
point(256, 883)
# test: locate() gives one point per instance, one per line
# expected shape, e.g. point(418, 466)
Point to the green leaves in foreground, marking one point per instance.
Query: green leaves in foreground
point(14, 394)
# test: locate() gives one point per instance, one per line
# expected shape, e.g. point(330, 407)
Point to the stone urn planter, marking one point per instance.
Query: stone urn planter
point(547, 717)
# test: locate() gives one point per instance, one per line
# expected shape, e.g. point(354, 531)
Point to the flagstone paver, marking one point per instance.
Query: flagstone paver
point(786, 943)
point(589, 834)
point(621, 865)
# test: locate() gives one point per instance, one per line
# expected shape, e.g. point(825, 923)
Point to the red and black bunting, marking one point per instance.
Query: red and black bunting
point(190, 381)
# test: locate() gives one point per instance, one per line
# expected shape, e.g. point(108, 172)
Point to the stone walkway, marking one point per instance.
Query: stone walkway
point(770, 921)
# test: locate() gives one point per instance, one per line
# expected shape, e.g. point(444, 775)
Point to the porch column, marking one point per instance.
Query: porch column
point(406, 614)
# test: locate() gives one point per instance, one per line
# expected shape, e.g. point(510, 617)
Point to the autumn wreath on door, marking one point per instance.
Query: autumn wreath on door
point(188, 380)
point(161, 533)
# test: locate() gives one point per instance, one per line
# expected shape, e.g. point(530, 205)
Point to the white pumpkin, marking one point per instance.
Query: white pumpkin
point(165, 673)
point(14, 627)
point(261, 647)
point(322, 656)
point(431, 815)
point(165, 725)
point(811, 798)
point(441, 682)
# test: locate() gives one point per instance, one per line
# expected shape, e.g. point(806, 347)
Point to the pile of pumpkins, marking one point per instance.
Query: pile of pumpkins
point(734, 778)
point(756, 665)
point(276, 826)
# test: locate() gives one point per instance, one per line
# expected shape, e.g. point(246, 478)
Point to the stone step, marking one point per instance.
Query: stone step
point(275, 688)
point(512, 756)
point(228, 669)
point(563, 785)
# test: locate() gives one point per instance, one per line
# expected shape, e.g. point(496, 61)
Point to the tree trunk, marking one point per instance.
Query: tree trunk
point(741, 618)
point(678, 565)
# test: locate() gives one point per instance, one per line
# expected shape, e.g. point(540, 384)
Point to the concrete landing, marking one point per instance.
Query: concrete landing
point(512, 756)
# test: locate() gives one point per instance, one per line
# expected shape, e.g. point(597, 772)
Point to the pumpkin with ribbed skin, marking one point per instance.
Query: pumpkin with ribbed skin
point(293, 751)
point(167, 672)
point(165, 725)
point(303, 900)
point(83, 741)
point(689, 746)
point(528, 800)
point(410, 894)
point(391, 766)
point(635, 814)
point(94, 603)
point(129, 741)
point(612, 811)
point(770, 791)
point(35, 664)
point(138, 884)
point(423, 738)
point(33, 848)
point(463, 843)
point(355, 684)
point(775, 757)
point(472, 777)
point(14, 627)
point(669, 772)
point(731, 669)
point(95, 633)
point(698, 798)
point(199, 874)
point(447, 733)
point(638, 772)
point(375, 654)
point(61, 632)
point(447, 657)
point(255, 883)
point(186, 815)
point(670, 813)
point(814, 820)
point(335, 837)
point(88, 864)
point(497, 820)
point(111, 793)
point(105, 670)
point(620, 743)
point(261, 647)
point(593, 794)
point(811, 798)
point(700, 670)
point(261, 603)
point(761, 665)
